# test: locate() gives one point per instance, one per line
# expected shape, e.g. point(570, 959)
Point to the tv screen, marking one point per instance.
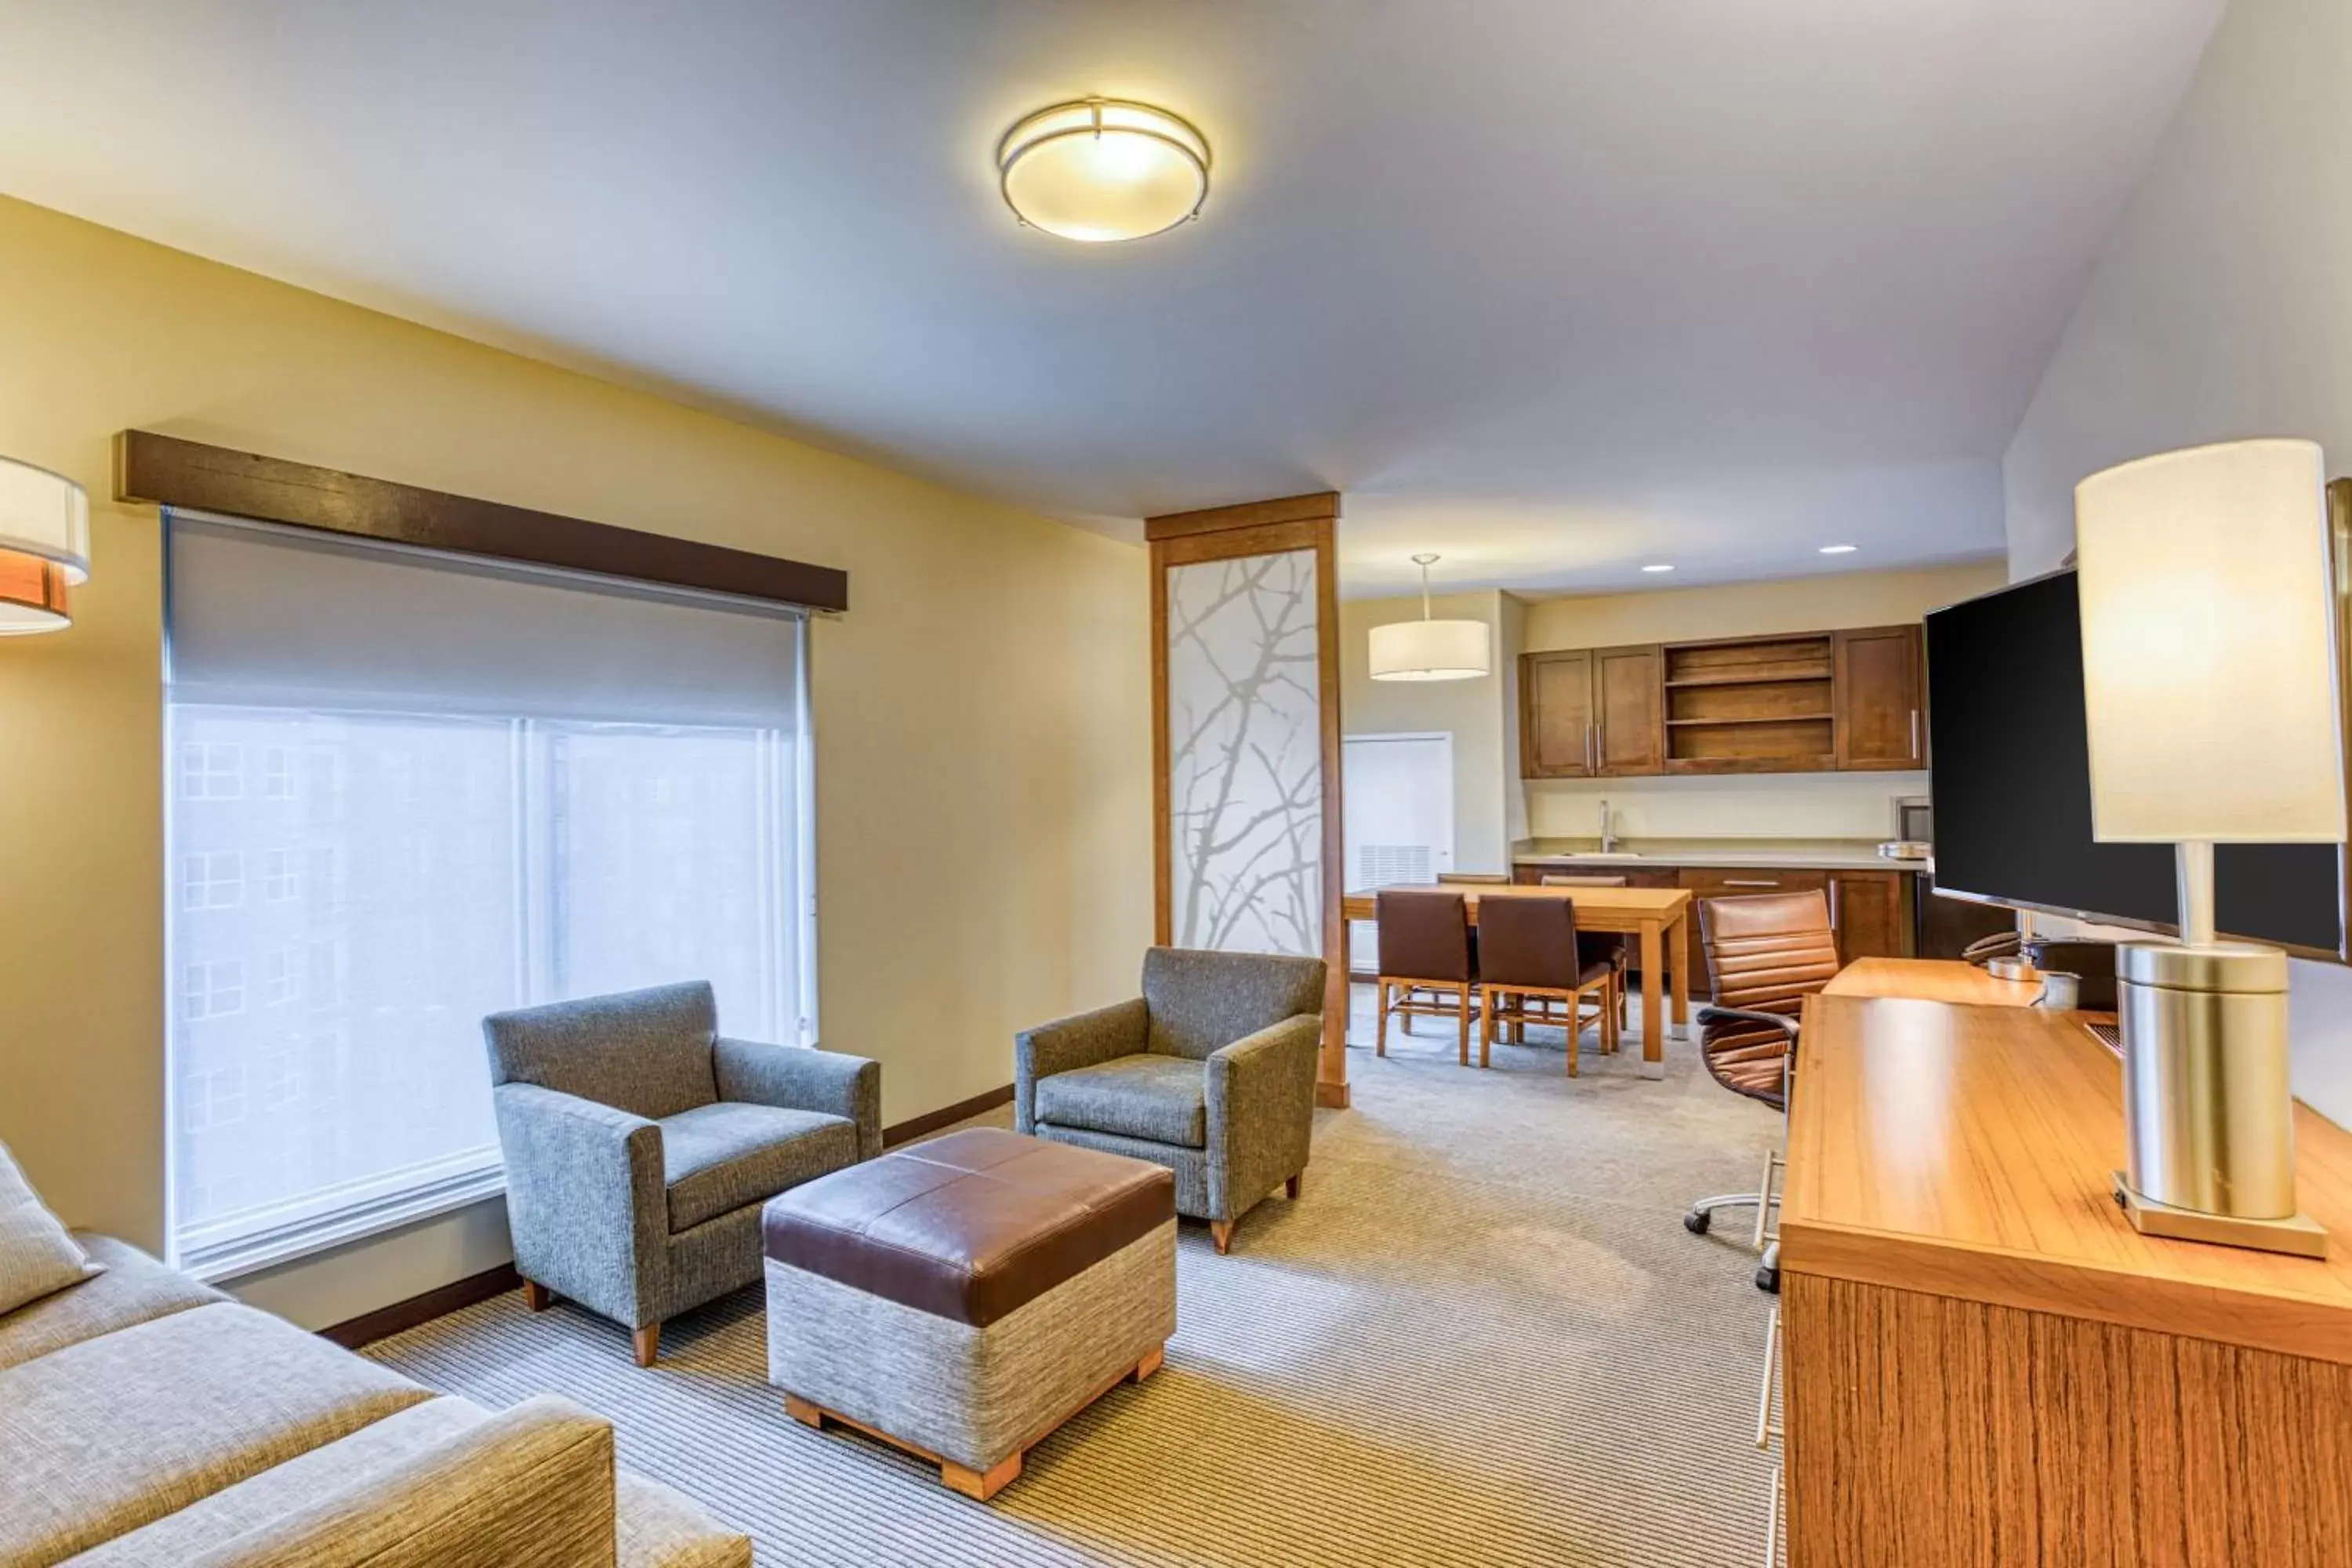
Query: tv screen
point(2010, 781)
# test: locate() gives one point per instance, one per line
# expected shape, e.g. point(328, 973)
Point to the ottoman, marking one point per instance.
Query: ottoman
point(962, 1298)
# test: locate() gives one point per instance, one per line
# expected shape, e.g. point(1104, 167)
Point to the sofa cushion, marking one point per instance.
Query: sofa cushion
point(1202, 1002)
point(37, 1257)
point(133, 1290)
point(645, 1052)
point(103, 1437)
point(1160, 1099)
point(725, 1157)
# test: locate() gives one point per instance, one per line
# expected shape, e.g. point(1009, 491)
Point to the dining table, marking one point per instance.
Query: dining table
point(1657, 918)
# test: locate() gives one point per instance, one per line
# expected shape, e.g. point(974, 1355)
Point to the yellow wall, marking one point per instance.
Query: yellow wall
point(1804, 806)
point(1477, 713)
point(984, 757)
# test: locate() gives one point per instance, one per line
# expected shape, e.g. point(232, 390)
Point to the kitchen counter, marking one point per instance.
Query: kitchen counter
point(1783, 853)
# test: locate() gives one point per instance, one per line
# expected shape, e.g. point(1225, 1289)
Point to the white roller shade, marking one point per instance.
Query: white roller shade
point(270, 616)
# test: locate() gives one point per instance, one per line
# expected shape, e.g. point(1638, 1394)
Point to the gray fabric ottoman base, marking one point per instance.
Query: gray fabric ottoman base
point(973, 1398)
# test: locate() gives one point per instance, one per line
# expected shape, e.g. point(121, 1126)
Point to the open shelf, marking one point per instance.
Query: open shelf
point(1745, 678)
point(1758, 718)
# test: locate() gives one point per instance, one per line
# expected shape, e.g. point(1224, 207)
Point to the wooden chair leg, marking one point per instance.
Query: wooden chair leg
point(536, 1295)
point(1380, 1029)
point(1221, 1231)
point(1462, 996)
point(647, 1344)
point(1575, 1027)
point(977, 1485)
point(1486, 1024)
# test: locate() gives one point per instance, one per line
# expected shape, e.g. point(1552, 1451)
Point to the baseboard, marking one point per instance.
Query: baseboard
point(946, 1116)
point(442, 1300)
point(437, 1302)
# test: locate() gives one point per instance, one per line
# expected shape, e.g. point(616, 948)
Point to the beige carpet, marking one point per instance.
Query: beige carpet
point(1482, 1336)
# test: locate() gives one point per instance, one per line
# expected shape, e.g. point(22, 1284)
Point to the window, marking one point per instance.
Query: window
point(565, 788)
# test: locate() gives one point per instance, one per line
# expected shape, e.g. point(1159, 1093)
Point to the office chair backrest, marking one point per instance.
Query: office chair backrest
point(1528, 942)
point(1769, 952)
point(1424, 933)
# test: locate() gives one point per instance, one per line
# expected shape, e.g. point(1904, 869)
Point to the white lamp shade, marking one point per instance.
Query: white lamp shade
point(1101, 170)
point(2209, 647)
point(45, 515)
point(1431, 650)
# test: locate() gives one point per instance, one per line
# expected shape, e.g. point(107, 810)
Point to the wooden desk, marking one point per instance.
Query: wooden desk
point(1659, 916)
point(1985, 1363)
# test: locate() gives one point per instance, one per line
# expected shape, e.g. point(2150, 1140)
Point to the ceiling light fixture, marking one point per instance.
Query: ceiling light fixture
point(1658, 566)
point(1839, 549)
point(44, 547)
point(1430, 650)
point(1103, 169)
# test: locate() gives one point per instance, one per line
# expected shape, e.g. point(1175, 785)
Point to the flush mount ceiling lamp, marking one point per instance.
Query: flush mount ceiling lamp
point(44, 547)
point(1428, 649)
point(1103, 169)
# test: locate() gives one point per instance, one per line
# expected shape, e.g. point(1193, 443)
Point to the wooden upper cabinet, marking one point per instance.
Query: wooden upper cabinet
point(1882, 719)
point(1629, 709)
point(1556, 715)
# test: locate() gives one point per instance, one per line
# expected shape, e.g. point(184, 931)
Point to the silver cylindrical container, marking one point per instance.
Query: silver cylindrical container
point(2207, 1114)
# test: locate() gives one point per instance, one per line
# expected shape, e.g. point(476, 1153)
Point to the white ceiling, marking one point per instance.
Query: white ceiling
point(1555, 286)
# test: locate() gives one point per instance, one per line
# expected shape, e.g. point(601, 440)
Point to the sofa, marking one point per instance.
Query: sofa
point(640, 1144)
point(148, 1420)
point(1210, 1073)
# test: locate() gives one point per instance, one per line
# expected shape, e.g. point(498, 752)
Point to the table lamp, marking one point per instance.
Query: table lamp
point(2211, 690)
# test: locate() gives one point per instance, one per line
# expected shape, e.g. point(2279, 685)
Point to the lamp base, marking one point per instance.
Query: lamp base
point(2299, 1234)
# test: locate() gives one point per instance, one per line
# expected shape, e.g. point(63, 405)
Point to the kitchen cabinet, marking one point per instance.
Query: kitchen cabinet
point(1787, 702)
point(1881, 698)
point(1591, 713)
point(1866, 910)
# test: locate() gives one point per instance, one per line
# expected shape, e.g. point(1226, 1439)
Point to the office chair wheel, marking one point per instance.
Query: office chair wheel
point(1768, 1278)
point(1697, 1221)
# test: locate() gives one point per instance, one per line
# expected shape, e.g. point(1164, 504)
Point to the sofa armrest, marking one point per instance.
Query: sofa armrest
point(586, 1200)
point(797, 1079)
point(1261, 1110)
point(1083, 1040)
point(531, 1485)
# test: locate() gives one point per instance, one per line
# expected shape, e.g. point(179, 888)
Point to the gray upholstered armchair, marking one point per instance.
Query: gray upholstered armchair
point(641, 1144)
point(1211, 1072)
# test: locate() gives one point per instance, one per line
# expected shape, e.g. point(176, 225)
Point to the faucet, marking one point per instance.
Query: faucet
point(1607, 837)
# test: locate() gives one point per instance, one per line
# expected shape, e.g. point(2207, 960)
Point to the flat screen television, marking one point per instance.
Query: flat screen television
point(2010, 781)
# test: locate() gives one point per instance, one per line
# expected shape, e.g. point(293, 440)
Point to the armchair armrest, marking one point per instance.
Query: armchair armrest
point(585, 1196)
point(1261, 1110)
point(1085, 1040)
point(1780, 1022)
point(795, 1080)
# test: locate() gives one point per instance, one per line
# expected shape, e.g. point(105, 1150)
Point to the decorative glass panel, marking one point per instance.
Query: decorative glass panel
point(1244, 756)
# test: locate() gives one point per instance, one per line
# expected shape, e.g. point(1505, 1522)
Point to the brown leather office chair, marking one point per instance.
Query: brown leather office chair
point(1527, 960)
point(1768, 952)
point(1426, 958)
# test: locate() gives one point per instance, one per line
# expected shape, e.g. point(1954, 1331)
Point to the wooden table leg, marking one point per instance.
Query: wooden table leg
point(1654, 1000)
point(1681, 940)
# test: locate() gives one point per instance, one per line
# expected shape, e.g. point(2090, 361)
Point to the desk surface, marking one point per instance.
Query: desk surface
point(1965, 1151)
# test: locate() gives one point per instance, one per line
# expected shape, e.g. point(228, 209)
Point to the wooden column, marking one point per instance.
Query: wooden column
point(1264, 531)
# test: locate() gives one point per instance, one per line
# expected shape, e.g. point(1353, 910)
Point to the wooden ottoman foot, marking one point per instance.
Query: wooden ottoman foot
point(536, 1295)
point(980, 1485)
point(801, 1411)
point(645, 1344)
point(1221, 1231)
point(1149, 1365)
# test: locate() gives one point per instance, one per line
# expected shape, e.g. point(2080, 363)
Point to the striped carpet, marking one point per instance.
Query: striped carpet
point(1481, 1336)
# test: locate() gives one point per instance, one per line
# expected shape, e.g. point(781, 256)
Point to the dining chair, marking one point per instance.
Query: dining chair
point(1611, 945)
point(1528, 960)
point(1425, 953)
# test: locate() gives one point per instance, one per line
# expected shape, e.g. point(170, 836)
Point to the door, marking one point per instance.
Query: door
point(1866, 909)
point(1556, 734)
point(1629, 717)
point(1397, 805)
point(1880, 722)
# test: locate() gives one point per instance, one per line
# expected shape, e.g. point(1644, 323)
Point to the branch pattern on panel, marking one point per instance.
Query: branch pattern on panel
point(1245, 767)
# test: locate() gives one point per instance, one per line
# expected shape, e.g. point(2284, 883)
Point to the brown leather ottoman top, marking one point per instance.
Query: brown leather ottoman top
point(971, 1225)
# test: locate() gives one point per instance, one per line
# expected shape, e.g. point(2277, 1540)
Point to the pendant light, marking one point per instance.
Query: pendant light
point(44, 547)
point(1428, 649)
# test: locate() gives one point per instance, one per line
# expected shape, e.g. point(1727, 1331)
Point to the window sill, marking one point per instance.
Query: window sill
point(230, 1259)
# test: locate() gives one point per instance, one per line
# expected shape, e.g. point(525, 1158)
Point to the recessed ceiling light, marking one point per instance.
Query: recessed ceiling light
point(1658, 566)
point(1839, 549)
point(1103, 169)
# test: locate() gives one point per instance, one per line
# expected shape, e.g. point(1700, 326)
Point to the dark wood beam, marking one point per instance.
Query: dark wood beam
point(164, 470)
